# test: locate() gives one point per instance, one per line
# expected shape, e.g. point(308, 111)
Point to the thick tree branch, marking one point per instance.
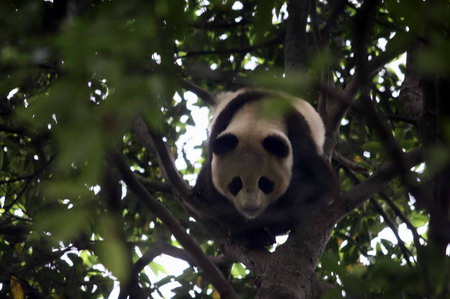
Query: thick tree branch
point(348, 163)
point(254, 259)
point(153, 186)
point(296, 42)
point(374, 184)
point(167, 163)
point(212, 272)
point(173, 177)
point(153, 142)
point(386, 218)
point(140, 129)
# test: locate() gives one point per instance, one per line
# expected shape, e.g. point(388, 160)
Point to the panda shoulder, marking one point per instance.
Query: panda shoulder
point(312, 118)
point(222, 100)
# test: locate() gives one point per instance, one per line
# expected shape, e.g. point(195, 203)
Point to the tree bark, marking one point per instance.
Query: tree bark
point(296, 43)
point(290, 271)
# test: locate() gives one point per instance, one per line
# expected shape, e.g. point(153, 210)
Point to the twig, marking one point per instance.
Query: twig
point(405, 220)
point(189, 244)
point(350, 239)
point(406, 252)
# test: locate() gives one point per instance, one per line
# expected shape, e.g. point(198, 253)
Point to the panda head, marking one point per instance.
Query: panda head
point(252, 163)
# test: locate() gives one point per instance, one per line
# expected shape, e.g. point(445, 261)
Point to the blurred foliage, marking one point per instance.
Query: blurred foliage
point(75, 73)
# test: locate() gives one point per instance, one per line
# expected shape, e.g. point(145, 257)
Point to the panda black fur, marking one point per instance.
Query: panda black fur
point(264, 175)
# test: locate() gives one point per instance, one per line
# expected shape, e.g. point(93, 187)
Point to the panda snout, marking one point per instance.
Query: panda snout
point(251, 211)
point(249, 203)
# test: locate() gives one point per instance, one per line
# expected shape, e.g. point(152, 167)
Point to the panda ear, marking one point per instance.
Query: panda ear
point(276, 145)
point(224, 144)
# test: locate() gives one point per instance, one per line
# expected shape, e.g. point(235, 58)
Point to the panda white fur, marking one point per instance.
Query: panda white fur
point(271, 169)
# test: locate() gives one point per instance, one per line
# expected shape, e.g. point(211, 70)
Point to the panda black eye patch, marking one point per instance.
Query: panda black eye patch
point(276, 145)
point(235, 186)
point(224, 144)
point(265, 185)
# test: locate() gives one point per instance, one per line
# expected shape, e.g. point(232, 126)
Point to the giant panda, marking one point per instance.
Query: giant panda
point(264, 173)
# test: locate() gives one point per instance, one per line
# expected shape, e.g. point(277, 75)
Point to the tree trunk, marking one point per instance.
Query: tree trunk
point(289, 272)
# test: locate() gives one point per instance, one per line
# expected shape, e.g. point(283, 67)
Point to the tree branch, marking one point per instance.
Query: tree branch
point(394, 229)
point(190, 245)
point(228, 78)
point(374, 184)
point(405, 220)
point(132, 288)
point(216, 25)
point(296, 42)
point(366, 70)
point(166, 161)
point(254, 259)
point(392, 146)
point(140, 129)
point(234, 50)
point(175, 181)
point(348, 163)
point(153, 186)
point(203, 94)
point(153, 142)
point(386, 218)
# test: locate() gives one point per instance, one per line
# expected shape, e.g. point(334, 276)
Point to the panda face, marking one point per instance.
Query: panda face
point(252, 168)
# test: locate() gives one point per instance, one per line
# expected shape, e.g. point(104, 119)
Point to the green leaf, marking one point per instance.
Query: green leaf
point(157, 268)
point(333, 293)
point(418, 220)
point(62, 224)
point(372, 146)
point(238, 270)
point(330, 262)
point(112, 251)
